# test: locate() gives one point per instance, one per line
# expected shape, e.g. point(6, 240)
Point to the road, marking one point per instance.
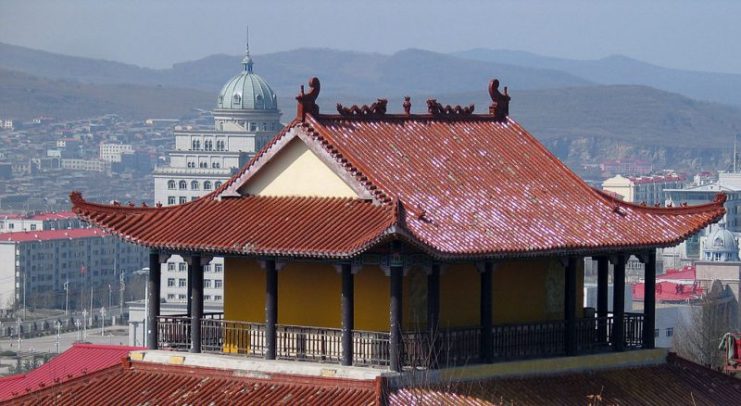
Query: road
point(116, 335)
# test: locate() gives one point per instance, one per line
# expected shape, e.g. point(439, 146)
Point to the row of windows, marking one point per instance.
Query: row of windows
point(204, 165)
point(172, 296)
point(194, 185)
point(669, 332)
point(183, 283)
point(208, 145)
point(182, 267)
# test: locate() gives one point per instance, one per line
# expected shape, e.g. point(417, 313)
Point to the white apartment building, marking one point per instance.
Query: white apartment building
point(639, 189)
point(39, 221)
point(90, 165)
point(35, 266)
point(112, 152)
point(245, 118)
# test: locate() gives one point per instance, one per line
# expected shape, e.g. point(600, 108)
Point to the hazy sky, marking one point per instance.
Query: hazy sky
point(699, 35)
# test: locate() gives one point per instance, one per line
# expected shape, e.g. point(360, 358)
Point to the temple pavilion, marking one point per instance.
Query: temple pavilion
point(404, 240)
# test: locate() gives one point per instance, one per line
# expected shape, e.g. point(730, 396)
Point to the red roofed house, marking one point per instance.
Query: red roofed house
point(369, 238)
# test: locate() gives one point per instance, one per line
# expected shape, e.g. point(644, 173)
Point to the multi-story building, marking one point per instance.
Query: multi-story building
point(90, 165)
point(38, 222)
point(648, 189)
point(36, 266)
point(112, 152)
point(246, 116)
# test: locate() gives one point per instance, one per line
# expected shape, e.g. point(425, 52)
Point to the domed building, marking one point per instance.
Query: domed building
point(245, 118)
point(720, 245)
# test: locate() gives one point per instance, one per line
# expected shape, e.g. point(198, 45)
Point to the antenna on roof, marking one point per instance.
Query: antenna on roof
point(735, 137)
point(247, 60)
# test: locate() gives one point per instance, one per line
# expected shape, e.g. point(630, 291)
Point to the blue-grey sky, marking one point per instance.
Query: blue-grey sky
point(689, 34)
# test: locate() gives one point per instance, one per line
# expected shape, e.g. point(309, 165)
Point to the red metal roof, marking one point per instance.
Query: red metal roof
point(140, 383)
point(670, 292)
point(80, 360)
point(687, 273)
point(47, 235)
point(463, 185)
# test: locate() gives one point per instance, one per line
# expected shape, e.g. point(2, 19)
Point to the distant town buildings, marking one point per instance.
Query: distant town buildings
point(245, 118)
point(627, 167)
point(112, 152)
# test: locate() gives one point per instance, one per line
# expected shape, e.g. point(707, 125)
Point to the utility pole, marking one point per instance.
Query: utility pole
point(66, 298)
point(59, 327)
point(146, 312)
point(91, 304)
point(110, 291)
point(19, 337)
point(84, 324)
point(121, 298)
point(24, 293)
point(102, 321)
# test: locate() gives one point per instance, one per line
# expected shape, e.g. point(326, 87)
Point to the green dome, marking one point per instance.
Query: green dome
point(247, 91)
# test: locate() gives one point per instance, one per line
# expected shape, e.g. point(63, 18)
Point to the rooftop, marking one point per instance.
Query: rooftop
point(453, 183)
point(48, 235)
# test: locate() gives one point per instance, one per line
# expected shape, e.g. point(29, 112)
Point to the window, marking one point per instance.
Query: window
point(182, 283)
point(194, 185)
point(207, 283)
point(181, 267)
point(33, 227)
point(253, 126)
point(196, 145)
point(170, 200)
point(670, 332)
point(170, 266)
point(183, 185)
point(171, 296)
point(218, 267)
point(215, 165)
point(193, 198)
point(220, 145)
point(217, 185)
point(218, 283)
point(170, 282)
point(208, 145)
point(181, 297)
point(191, 164)
point(207, 297)
point(237, 99)
point(203, 165)
point(171, 184)
point(217, 298)
point(656, 333)
point(183, 199)
point(207, 185)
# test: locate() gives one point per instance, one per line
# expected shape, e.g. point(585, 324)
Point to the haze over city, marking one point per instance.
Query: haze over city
point(685, 34)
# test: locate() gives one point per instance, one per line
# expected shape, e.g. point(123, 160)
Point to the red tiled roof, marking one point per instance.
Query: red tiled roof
point(251, 225)
point(464, 186)
point(677, 382)
point(47, 235)
point(141, 383)
point(53, 216)
point(687, 272)
point(80, 360)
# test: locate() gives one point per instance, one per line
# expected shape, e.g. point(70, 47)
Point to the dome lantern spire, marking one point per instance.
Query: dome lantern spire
point(247, 60)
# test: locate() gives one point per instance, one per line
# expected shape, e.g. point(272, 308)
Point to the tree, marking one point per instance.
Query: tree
point(701, 326)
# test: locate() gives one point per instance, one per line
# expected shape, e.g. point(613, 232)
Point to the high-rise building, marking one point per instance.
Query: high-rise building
point(245, 118)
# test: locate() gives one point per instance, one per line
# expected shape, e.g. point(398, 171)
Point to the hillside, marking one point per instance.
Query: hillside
point(352, 73)
point(23, 96)
point(617, 69)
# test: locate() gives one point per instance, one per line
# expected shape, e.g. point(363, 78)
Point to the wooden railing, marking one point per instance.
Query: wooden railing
point(448, 347)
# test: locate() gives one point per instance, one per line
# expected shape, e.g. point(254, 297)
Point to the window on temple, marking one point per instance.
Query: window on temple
point(194, 185)
point(171, 184)
point(183, 185)
point(207, 185)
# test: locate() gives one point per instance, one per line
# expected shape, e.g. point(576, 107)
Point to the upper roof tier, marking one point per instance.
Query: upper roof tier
point(247, 90)
point(453, 183)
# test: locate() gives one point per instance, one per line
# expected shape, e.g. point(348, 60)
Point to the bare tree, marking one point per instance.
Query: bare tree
point(701, 327)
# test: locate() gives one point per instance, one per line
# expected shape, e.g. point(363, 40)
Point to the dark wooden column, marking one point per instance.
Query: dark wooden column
point(348, 313)
point(618, 304)
point(603, 266)
point(485, 315)
point(649, 302)
point(271, 308)
point(569, 307)
point(195, 274)
point(396, 311)
point(153, 298)
point(433, 313)
point(189, 288)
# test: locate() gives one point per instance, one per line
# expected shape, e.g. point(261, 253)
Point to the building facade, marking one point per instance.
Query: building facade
point(246, 116)
point(49, 268)
point(643, 189)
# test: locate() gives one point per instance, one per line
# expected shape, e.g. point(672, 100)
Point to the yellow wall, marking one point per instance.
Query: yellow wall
point(297, 172)
point(459, 296)
point(309, 294)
